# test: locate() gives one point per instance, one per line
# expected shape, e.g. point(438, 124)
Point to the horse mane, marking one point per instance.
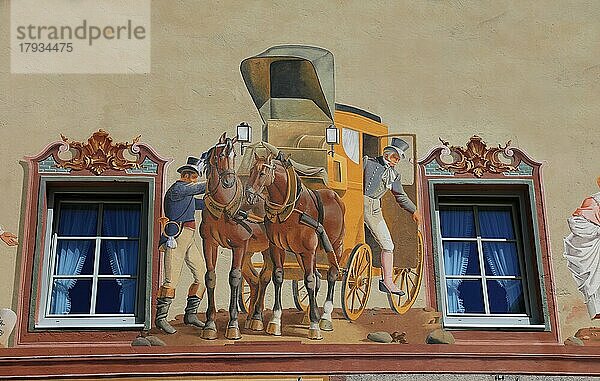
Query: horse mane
point(207, 164)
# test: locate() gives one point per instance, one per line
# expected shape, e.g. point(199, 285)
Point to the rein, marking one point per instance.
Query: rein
point(231, 209)
point(283, 211)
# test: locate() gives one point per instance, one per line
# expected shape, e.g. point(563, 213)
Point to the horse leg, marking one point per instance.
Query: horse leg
point(310, 283)
point(326, 323)
point(209, 332)
point(306, 317)
point(256, 324)
point(274, 326)
point(235, 280)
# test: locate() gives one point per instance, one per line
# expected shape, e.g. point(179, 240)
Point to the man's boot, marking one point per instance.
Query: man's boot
point(387, 270)
point(190, 317)
point(162, 309)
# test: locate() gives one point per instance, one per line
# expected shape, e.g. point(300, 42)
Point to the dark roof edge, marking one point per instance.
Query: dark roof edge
point(358, 111)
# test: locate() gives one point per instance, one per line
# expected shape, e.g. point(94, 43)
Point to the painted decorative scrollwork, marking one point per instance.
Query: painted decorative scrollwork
point(99, 154)
point(477, 158)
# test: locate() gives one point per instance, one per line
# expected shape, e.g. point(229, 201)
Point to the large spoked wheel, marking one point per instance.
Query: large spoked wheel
point(356, 283)
point(409, 281)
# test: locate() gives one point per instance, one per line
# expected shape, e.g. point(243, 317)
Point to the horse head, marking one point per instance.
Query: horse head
point(221, 158)
point(262, 175)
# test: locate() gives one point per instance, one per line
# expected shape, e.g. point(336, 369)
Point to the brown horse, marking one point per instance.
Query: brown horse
point(226, 223)
point(298, 220)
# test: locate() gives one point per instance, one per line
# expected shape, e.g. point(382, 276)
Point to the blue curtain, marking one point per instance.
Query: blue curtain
point(75, 220)
point(456, 223)
point(122, 221)
point(501, 257)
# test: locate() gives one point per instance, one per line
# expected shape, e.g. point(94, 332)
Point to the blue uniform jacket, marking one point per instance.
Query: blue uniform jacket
point(180, 204)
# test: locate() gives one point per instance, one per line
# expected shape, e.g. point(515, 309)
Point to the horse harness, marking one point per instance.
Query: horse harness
point(279, 213)
point(231, 211)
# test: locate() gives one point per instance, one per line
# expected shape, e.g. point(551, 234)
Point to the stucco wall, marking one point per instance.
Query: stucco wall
point(507, 70)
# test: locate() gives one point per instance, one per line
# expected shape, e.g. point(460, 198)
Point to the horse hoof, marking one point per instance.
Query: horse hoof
point(326, 325)
point(314, 334)
point(209, 334)
point(233, 333)
point(256, 325)
point(274, 329)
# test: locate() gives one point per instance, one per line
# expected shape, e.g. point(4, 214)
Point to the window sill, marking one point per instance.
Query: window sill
point(512, 327)
point(90, 325)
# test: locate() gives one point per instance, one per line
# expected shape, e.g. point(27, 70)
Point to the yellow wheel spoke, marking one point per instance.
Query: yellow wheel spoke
point(363, 291)
point(364, 267)
point(411, 281)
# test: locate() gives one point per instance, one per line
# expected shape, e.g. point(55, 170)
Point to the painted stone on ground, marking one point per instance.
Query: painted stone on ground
point(140, 342)
point(155, 341)
point(574, 341)
point(440, 336)
point(380, 337)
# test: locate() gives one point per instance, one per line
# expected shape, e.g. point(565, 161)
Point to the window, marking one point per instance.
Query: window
point(485, 267)
point(94, 272)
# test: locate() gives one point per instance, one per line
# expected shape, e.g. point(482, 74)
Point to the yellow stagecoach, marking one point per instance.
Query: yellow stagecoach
point(294, 92)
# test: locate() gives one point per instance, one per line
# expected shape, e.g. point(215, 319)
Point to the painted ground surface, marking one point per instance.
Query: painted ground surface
point(417, 323)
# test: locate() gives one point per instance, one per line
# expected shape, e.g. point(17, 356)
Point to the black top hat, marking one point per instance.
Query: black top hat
point(192, 165)
point(399, 145)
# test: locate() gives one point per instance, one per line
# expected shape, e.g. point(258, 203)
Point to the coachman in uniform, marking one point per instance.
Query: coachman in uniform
point(178, 243)
point(379, 177)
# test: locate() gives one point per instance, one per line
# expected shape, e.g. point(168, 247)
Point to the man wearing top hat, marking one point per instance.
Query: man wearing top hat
point(379, 177)
point(178, 242)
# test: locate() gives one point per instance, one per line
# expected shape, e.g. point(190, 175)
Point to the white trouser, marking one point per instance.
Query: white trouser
point(186, 251)
point(376, 224)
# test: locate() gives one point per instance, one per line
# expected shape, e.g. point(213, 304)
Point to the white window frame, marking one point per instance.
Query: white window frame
point(47, 321)
point(492, 321)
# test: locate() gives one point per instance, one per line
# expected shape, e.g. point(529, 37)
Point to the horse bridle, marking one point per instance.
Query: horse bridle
point(269, 203)
point(270, 179)
point(222, 174)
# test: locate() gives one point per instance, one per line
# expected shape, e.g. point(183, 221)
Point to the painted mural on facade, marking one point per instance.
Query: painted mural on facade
point(299, 187)
point(332, 227)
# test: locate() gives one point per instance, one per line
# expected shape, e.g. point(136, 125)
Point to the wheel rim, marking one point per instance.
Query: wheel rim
point(356, 284)
point(300, 295)
point(408, 279)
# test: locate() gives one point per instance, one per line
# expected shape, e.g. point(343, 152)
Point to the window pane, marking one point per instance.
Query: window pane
point(506, 296)
point(501, 259)
point(78, 220)
point(74, 257)
point(464, 296)
point(457, 222)
point(118, 257)
point(461, 258)
point(71, 296)
point(121, 220)
point(496, 223)
point(116, 296)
